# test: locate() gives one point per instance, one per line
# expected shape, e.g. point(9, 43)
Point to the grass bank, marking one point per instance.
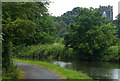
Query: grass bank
point(63, 73)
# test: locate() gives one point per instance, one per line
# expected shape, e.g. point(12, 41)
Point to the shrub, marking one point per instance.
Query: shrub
point(45, 51)
point(111, 54)
point(11, 73)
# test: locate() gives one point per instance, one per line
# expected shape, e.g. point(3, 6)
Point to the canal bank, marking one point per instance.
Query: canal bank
point(96, 70)
point(63, 73)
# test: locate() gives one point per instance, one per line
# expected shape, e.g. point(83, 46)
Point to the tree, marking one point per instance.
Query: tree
point(29, 13)
point(62, 22)
point(61, 28)
point(89, 36)
point(24, 23)
point(116, 23)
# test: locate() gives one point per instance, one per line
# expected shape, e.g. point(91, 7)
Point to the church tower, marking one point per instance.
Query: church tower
point(107, 11)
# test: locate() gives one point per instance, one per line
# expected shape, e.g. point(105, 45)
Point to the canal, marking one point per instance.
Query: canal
point(96, 70)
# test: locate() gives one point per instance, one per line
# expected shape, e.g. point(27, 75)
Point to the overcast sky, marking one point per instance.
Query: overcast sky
point(58, 7)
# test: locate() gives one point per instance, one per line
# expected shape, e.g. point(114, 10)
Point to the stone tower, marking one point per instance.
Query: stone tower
point(107, 11)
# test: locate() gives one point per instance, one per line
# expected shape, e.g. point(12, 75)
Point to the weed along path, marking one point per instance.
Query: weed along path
point(35, 72)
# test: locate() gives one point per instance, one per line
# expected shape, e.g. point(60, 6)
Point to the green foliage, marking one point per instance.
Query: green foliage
point(61, 28)
point(11, 73)
point(69, 16)
point(112, 54)
point(62, 22)
point(89, 36)
point(24, 23)
point(48, 51)
point(118, 25)
point(7, 55)
point(29, 26)
point(29, 32)
point(18, 31)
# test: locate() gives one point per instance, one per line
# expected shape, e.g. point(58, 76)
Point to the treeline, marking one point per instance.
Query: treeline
point(30, 32)
point(91, 36)
point(56, 51)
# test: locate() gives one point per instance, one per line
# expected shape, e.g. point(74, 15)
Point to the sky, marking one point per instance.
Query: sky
point(58, 7)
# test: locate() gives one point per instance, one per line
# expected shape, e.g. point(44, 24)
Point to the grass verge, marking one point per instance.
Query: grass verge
point(21, 75)
point(63, 73)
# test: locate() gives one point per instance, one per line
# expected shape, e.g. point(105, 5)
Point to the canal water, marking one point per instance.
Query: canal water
point(96, 70)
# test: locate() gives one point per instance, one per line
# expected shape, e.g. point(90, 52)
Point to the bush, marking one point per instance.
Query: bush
point(111, 54)
point(45, 51)
point(11, 73)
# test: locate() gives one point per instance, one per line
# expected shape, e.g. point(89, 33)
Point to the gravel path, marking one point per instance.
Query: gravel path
point(36, 72)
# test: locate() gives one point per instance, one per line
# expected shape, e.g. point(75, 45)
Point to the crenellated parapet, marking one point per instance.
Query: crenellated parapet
point(107, 11)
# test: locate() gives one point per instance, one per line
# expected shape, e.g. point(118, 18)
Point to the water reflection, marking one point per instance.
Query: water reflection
point(96, 70)
point(61, 63)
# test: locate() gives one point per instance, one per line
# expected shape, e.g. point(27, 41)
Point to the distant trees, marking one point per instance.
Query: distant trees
point(62, 22)
point(89, 36)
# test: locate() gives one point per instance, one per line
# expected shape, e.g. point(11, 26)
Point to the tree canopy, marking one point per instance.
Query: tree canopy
point(89, 35)
point(25, 23)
